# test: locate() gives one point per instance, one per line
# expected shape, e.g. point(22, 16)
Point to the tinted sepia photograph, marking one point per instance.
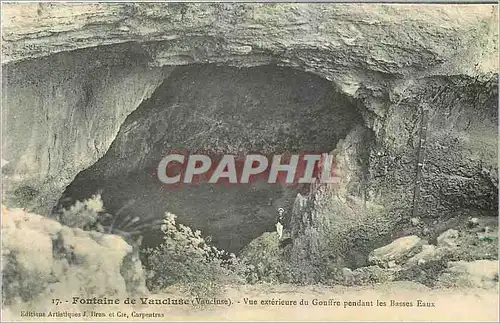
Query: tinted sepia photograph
point(249, 161)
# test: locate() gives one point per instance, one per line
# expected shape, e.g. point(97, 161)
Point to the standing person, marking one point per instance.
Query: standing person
point(279, 223)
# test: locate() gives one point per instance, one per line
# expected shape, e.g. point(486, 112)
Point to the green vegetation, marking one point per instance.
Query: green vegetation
point(83, 215)
point(263, 261)
point(185, 259)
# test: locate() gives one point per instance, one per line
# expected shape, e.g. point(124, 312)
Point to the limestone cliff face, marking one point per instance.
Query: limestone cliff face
point(398, 40)
point(73, 73)
point(60, 115)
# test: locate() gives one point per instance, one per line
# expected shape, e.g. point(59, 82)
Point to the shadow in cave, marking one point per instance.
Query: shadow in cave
point(267, 110)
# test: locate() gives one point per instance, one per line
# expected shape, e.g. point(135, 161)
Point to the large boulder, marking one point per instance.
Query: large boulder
point(396, 252)
point(448, 239)
point(42, 259)
point(428, 253)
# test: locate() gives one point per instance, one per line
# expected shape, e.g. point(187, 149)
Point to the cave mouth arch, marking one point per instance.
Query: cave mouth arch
point(267, 109)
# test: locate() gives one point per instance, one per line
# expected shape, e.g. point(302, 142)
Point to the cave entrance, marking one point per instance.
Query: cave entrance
point(267, 109)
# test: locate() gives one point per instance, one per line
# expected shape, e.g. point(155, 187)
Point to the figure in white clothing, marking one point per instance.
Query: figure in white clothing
point(279, 223)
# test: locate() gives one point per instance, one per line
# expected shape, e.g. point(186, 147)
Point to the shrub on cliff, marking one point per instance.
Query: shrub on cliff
point(185, 259)
point(83, 215)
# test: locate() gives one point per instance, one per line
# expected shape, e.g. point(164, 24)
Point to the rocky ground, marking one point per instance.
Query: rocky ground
point(43, 260)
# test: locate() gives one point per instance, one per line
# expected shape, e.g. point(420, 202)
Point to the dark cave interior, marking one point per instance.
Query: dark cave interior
point(267, 109)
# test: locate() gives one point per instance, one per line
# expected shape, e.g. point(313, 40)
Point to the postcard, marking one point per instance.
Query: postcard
point(249, 161)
